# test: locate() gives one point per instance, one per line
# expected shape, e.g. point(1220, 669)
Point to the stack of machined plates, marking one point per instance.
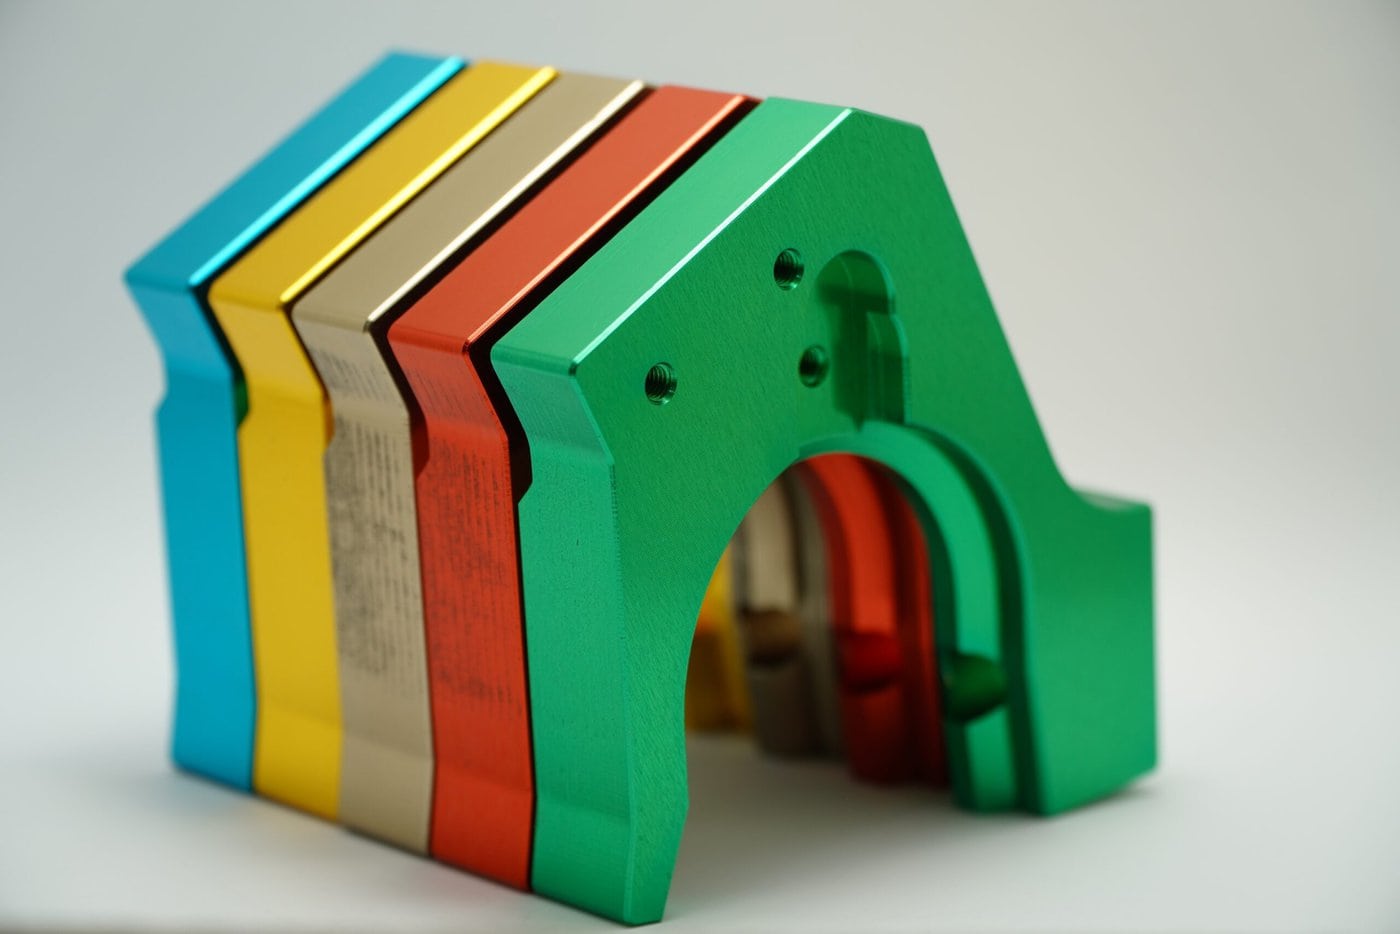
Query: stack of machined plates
point(518, 419)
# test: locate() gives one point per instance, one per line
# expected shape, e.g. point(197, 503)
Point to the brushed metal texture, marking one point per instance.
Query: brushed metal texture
point(283, 435)
point(386, 784)
point(477, 465)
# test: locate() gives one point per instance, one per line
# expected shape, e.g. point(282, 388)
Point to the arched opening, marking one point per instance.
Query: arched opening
point(614, 625)
point(816, 632)
point(855, 615)
point(812, 702)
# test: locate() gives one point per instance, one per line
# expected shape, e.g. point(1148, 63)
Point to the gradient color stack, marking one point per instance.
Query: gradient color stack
point(472, 380)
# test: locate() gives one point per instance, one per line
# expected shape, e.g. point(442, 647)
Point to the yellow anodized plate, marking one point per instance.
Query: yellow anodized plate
point(282, 437)
point(716, 695)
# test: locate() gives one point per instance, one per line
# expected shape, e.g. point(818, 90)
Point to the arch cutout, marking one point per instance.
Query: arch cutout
point(838, 528)
point(816, 629)
point(632, 502)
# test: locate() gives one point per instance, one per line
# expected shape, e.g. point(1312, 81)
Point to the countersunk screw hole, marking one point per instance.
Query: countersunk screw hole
point(814, 365)
point(787, 269)
point(660, 384)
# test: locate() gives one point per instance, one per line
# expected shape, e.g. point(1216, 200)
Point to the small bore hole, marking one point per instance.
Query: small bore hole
point(787, 269)
point(814, 365)
point(660, 384)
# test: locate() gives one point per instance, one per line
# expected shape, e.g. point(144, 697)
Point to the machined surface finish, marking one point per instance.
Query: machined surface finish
point(807, 279)
point(386, 786)
point(283, 435)
point(197, 422)
point(476, 467)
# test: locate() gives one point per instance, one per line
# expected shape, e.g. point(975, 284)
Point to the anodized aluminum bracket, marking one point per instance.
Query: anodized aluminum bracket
point(387, 783)
point(284, 433)
point(197, 422)
point(804, 288)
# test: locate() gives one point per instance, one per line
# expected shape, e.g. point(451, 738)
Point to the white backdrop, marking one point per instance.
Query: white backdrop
point(1189, 216)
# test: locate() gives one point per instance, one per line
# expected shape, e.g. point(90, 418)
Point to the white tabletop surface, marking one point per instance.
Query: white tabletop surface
point(1189, 217)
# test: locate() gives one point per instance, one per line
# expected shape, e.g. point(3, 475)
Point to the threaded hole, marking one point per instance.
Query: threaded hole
point(660, 384)
point(787, 269)
point(814, 365)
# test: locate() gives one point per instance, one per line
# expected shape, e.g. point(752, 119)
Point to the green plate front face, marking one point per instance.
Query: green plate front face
point(804, 288)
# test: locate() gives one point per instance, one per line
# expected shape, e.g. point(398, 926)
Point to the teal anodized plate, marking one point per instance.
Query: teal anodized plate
point(197, 420)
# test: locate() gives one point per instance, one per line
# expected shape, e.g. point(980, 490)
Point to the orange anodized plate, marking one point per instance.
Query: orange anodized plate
point(880, 592)
point(473, 467)
point(919, 671)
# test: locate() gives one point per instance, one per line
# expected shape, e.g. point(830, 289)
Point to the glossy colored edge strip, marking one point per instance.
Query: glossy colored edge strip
point(215, 696)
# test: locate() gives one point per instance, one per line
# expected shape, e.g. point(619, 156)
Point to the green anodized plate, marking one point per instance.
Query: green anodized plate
point(804, 288)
